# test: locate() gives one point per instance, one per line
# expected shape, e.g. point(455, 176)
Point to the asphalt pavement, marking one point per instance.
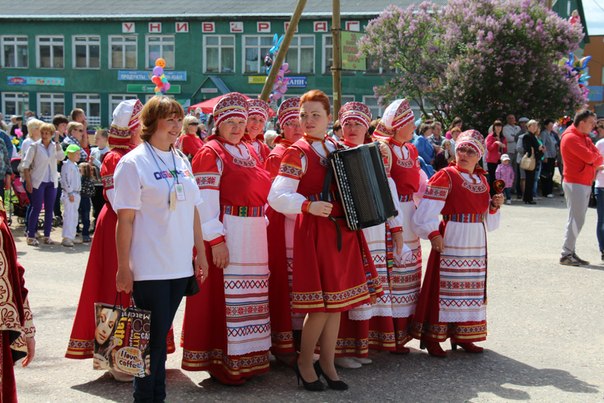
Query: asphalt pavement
point(545, 343)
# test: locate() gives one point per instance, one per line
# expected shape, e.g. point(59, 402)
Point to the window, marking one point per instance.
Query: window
point(50, 105)
point(122, 51)
point(15, 103)
point(255, 49)
point(14, 52)
point(343, 100)
point(91, 104)
point(219, 54)
point(160, 46)
point(87, 52)
point(50, 52)
point(327, 53)
point(372, 102)
point(114, 101)
point(301, 54)
point(375, 68)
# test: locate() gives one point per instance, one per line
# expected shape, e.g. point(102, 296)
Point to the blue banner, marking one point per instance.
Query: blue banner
point(297, 82)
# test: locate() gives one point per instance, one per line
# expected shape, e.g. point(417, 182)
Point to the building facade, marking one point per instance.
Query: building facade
point(52, 64)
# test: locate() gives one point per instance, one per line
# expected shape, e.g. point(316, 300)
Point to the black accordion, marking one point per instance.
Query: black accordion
point(363, 186)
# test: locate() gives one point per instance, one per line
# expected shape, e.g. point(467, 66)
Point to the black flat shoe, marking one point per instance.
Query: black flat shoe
point(530, 202)
point(316, 386)
point(335, 385)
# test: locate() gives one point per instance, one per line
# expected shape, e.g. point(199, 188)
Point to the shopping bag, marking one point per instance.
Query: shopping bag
point(121, 339)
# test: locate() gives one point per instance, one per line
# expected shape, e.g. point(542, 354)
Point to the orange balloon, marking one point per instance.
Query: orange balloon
point(160, 62)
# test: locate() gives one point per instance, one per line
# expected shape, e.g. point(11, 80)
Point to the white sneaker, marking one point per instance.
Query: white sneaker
point(77, 241)
point(363, 360)
point(508, 202)
point(67, 242)
point(347, 362)
point(550, 196)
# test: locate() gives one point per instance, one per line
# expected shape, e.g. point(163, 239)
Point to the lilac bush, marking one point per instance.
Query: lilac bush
point(477, 59)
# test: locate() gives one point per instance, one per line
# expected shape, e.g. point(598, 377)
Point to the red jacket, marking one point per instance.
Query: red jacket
point(493, 152)
point(580, 157)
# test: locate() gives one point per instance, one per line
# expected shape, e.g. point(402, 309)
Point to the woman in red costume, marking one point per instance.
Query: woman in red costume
point(355, 338)
point(99, 280)
point(258, 113)
point(453, 299)
point(326, 280)
point(226, 330)
point(285, 326)
point(17, 331)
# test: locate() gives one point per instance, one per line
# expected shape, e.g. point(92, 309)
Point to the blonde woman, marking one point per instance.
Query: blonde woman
point(33, 128)
point(189, 143)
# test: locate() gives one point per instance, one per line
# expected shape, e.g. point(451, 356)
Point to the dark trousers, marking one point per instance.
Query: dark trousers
point(45, 194)
point(84, 212)
point(57, 205)
point(547, 176)
point(528, 186)
point(492, 167)
point(162, 298)
point(98, 201)
point(600, 225)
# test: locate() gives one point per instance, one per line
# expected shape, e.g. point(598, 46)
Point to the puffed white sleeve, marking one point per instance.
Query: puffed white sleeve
point(207, 168)
point(397, 221)
point(283, 196)
point(493, 219)
point(426, 218)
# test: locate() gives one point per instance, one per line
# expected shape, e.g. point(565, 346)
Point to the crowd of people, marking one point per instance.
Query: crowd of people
point(255, 236)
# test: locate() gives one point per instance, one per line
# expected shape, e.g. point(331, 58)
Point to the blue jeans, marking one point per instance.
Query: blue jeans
point(84, 211)
point(600, 225)
point(162, 298)
point(537, 175)
point(46, 194)
point(507, 192)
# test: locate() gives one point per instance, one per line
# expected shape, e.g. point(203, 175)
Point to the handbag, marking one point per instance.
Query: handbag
point(528, 163)
point(122, 337)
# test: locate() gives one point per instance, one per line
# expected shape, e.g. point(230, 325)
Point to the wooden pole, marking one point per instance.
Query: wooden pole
point(336, 67)
point(289, 34)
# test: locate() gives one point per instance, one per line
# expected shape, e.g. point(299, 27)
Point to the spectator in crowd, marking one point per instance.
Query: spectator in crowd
point(457, 122)
point(101, 148)
point(18, 125)
point(423, 144)
point(445, 156)
point(75, 135)
point(455, 132)
point(505, 172)
point(531, 147)
point(520, 174)
point(582, 161)
point(41, 177)
point(60, 122)
point(437, 138)
point(336, 131)
point(549, 158)
point(5, 167)
point(496, 146)
point(3, 125)
point(33, 128)
point(71, 183)
point(188, 141)
point(599, 190)
point(78, 115)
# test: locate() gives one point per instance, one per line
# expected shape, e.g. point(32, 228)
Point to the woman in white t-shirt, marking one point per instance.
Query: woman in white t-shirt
point(156, 199)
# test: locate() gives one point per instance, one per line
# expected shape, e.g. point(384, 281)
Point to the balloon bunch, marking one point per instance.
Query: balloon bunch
point(159, 77)
point(280, 86)
point(577, 69)
point(272, 52)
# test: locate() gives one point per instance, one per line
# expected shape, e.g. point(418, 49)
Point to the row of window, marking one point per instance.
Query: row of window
point(218, 52)
point(50, 104)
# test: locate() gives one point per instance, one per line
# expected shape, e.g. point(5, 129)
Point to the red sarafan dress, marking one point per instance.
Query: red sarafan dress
point(453, 298)
point(260, 148)
point(280, 261)
point(226, 329)
point(99, 280)
point(16, 321)
point(325, 279)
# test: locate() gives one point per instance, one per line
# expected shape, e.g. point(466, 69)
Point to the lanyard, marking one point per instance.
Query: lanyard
point(175, 173)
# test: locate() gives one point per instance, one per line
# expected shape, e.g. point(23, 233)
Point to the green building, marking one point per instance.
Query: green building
point(58, 55)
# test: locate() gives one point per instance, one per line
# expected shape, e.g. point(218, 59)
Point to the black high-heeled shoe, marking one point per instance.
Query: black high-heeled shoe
point(335, 385)
point(315, 386)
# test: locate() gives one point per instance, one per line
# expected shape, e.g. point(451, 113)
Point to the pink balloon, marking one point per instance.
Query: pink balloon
point(167, 86)
point(277, 95)
point(283, 88)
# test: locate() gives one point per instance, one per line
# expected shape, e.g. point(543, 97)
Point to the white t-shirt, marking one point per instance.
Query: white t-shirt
point(162, 240)
point(600, 175)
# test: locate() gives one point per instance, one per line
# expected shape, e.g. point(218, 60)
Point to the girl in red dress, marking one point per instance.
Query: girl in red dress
point(226, 329)
point(452, 302)
point(326, 280)
point(258, 113)
point(285, 325)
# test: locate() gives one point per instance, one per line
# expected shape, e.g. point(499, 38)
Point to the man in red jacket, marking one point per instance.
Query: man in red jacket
point(582, 161)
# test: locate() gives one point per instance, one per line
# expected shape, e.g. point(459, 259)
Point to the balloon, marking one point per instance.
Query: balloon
point(285, 67)
point(584, 61)
point(19, 132)
point(160, 62)
point(283, 88)
point(167, 86)
point(164, 80)
point(156, 80)
point(157, 90)
point(277, 95)
point(158, 71)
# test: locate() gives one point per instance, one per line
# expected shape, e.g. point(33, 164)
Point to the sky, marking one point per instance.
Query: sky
point(594, 15)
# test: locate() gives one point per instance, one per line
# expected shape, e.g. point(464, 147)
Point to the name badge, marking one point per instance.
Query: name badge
point(180, 192)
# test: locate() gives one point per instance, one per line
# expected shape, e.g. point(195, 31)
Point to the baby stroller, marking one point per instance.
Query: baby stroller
point(17, 196)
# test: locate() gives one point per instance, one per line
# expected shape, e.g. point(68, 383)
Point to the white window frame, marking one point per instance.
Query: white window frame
point(84, 101)
point(52, 98)
point(164, 40)
point(21, 100)
point(51, 41)
point(259, 48)
point(220, 47)
point(325, 57)
point(16, 41)
point(295, 45)
point(115, 99)
point(122, 40)
point(85, 40)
